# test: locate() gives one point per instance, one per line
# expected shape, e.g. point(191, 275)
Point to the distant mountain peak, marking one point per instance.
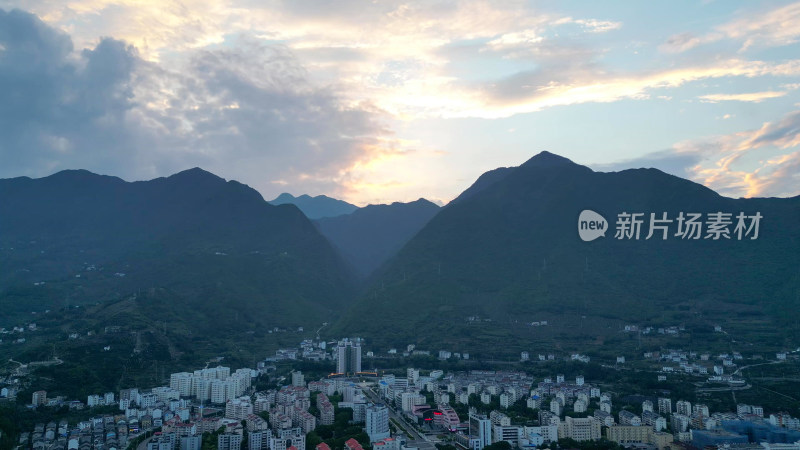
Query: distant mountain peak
point(283, 198)
point(422, 201)
point(547, 159)
point(315, 207)
point(80, 176)
point(195, 173)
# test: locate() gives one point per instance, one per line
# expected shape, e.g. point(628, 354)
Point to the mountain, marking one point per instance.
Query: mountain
point(316, 207)
point(506, 254)
point(369, 236)
point(192, 249)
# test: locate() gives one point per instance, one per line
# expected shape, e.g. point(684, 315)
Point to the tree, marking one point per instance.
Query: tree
point(502, 445)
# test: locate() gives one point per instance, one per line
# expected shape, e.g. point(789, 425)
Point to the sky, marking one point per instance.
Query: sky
point(381, 101)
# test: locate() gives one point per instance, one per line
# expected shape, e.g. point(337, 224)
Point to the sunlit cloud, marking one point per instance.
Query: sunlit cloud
point(754, 97)
point(775, 27)
point(320, 97)
point(528, 93)
point(750, 163)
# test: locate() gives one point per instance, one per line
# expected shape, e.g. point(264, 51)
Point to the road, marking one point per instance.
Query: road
point(413, 433)
point(726, 388)
point(324, 324)
point(754, 365)
point(143, 445)
point(22, 368)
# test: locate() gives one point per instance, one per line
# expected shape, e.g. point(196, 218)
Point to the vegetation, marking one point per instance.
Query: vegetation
point(502, 445)
point(209, 441)
point(601, 444)
point(340, 432)
point(507, 254)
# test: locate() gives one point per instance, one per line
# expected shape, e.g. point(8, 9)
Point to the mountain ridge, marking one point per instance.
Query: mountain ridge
point(369, 236)
point(509, 250)
point(194, 234)
point(316, 207)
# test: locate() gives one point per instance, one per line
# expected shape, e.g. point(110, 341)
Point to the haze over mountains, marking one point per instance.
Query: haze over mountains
point(371, 235)
point(365, 237)
point(205, 252)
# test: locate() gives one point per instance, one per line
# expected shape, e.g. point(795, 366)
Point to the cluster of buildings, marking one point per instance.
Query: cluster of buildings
point(14, 335)
point(215, 385)
point(580, 411)
point(220, 400)
point(139, 411)
point(102, 432)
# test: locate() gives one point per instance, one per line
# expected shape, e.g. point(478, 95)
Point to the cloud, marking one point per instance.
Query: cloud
point(54, 103)
point(772, 28)
point(782, 134)
point(670, 161)
point(387, 53)
point(598, 26)
point(542, 88)
point(310, 94)
point(247, 111)
point(752, 163)
point(682, 42)
point(753, 97)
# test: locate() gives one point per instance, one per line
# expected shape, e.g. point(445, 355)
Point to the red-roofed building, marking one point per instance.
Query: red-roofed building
point(387, 444)
point(323, 446)
point(353, 444)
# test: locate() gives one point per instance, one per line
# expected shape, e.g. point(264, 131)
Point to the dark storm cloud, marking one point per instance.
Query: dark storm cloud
point(53, 102)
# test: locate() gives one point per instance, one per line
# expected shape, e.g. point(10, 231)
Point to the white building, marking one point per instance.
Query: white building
point(377, 422)
point(555, 407)
point(585, 429)
point(505, 400)
point(283, 439)
point(229, 441)
point(548, 433)
point(481, 428)
point(182, 381)
point(664, 405)
point(238, 408)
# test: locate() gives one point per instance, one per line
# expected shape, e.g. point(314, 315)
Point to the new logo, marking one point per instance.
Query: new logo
point(591, 225)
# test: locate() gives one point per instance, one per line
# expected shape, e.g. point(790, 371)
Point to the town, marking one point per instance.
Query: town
point(358, 407)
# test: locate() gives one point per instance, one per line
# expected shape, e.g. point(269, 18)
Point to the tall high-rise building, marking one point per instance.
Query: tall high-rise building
point(39, 398)
point(481, 428)
point(298, 379)
point(349, 356)
point(377, 422)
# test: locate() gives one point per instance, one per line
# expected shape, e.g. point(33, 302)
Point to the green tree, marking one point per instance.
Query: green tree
point(502, 445)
